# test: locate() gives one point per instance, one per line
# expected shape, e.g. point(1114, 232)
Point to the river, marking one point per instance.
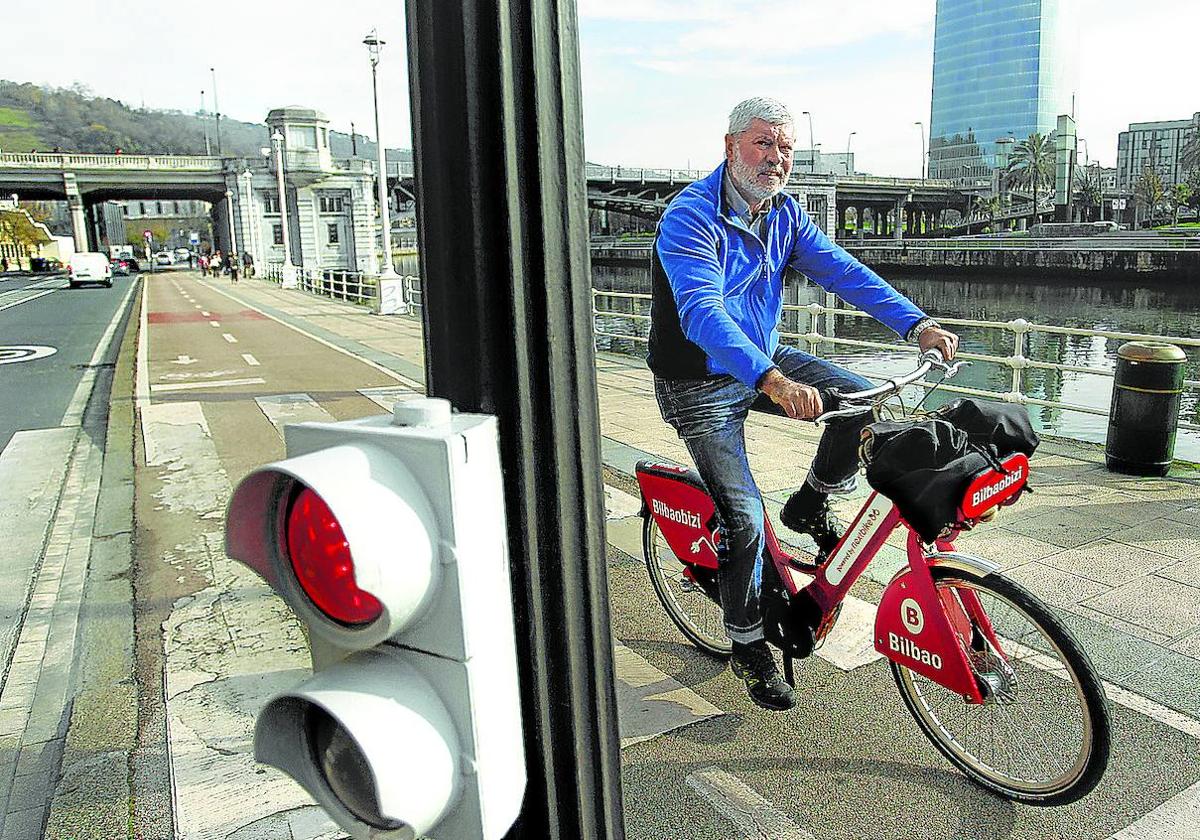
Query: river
point(1114, 306)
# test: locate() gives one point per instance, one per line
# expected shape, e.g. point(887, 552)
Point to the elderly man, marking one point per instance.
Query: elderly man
point(720, 254)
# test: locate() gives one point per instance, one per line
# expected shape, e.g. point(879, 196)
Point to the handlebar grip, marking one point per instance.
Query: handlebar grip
point(933, 355)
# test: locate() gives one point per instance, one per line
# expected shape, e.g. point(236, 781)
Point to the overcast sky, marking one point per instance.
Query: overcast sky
point(659, 76)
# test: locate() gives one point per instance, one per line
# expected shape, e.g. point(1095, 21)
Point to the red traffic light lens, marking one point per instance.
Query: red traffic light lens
point(321, 559)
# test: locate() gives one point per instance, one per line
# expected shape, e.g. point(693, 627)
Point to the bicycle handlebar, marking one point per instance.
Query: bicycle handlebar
point(929, 359)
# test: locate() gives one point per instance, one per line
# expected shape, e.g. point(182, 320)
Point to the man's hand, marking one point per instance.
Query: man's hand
point(800, 402)
point(936, 338)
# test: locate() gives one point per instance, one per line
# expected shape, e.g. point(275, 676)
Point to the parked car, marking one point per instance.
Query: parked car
point(89, 267)
point(120, 268)
point(40, 265)
point(164, 258)
point(182, 254)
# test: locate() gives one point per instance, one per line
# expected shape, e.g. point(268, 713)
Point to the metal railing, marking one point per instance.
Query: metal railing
point(350, 286)
point(1027, 243)
point(175, 163)
point(1016, 362)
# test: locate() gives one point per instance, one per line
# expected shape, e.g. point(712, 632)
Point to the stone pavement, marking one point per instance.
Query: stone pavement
point(1119, 556)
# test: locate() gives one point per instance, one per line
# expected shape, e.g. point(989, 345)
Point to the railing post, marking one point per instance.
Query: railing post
point(1020, 328)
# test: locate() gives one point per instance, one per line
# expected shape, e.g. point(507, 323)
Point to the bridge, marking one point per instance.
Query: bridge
point(895, 207)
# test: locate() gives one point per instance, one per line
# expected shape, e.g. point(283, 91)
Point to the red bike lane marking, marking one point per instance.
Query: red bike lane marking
point(196, 317)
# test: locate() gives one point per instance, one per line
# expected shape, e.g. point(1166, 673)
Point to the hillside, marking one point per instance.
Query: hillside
point(75, 120)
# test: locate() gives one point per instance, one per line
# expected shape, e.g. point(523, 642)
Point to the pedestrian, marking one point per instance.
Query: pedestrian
point(234, 265)
point(247, 264)
point(4, 263)
point(214, 264)
point(191, 259)
point(203, 262)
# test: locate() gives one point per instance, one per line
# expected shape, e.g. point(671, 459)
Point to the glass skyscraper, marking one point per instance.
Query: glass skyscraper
point(1001, 68)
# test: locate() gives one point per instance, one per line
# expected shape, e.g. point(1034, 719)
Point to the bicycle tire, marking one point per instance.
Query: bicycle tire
point(1087, 766)
point(696, 615)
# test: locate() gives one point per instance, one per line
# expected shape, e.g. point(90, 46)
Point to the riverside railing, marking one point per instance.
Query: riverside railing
point(1131, 243)
point(349, 286)
point(607, 318)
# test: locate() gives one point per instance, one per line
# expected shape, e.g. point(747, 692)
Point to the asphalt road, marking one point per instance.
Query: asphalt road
point(48, 339)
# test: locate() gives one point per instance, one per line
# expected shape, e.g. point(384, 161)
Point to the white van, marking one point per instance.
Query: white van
point(89, 267)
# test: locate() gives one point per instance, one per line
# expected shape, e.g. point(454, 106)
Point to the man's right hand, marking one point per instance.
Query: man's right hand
point(800, 402)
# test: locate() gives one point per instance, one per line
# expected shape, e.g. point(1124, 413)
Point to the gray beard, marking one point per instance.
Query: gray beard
point(743, 178)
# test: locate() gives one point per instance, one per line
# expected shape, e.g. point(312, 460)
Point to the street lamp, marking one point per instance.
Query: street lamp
point(216, 107)
point(922, 125)
point(233, 248)
point(288, 269)
point(812, 148)
point(389, 281)
point(849, 137)
point(204, 122)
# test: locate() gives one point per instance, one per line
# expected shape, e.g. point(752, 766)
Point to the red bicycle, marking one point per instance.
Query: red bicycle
point(993, 678)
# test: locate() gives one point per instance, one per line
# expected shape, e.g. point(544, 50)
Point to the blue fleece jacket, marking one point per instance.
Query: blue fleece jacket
point(727, 283)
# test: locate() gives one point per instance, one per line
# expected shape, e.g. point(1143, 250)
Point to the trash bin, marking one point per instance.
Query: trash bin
point(1145, 408)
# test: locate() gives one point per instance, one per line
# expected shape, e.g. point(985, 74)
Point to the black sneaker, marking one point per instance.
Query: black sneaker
point(821, 524)
point(755, 664)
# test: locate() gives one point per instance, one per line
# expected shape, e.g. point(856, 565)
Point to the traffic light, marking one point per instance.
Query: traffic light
point(386, 536)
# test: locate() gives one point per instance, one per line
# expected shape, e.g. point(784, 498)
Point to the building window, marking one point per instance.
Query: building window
point(333, 234)
point(332, 204)
point(270, 202)
point(277, 234)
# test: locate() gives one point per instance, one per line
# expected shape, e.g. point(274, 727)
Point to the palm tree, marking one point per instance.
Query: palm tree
point(1178, 197)
point(1032, 165)
point(1149, 192)
point(1088, 193)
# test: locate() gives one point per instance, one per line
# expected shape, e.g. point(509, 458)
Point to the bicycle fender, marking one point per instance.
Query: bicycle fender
point(963, 562)
point(686, 515)
point(923, 630)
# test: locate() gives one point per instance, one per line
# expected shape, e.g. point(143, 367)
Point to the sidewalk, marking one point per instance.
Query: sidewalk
point(1120, 556)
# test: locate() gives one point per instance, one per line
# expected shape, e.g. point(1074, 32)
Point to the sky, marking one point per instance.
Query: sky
point(659, 76)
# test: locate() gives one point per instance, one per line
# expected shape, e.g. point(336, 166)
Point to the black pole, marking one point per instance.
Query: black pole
point(502, 213)
point(353, 142)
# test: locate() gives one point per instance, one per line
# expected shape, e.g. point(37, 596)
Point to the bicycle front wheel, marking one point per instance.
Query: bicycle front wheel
point(696, 614)
point(1042, 736)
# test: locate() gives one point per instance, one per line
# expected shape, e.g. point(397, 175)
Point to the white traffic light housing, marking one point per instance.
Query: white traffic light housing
point(386, 536)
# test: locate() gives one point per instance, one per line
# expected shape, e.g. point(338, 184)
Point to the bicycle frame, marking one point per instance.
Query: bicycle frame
point(916, 626)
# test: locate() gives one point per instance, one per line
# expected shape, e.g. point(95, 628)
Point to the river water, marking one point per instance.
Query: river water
point(1169, 310)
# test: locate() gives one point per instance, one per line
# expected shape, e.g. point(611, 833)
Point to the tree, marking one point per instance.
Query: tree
point(1032, 165)
point(1178, 197)
point(1193, 182)
point(18, 228)
point(1088, 194)
point(1149, 192)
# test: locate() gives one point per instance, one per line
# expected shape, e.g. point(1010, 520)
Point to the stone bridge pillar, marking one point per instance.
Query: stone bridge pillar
point(78, 219)
point(898, 208)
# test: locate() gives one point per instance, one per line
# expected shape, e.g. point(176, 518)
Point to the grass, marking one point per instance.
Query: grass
point(17, 133)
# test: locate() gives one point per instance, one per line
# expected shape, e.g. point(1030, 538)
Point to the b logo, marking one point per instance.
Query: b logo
point(911, 615)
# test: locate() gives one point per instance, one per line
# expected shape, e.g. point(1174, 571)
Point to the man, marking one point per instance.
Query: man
point(720, 253)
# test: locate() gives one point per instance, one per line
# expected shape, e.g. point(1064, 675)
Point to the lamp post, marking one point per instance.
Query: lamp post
point(922, 126)
point(216, 107)
point(233, 248)
point(812, 148)
point(390, 284)
point(203, 122)
point(849, 137)
point(288, 269)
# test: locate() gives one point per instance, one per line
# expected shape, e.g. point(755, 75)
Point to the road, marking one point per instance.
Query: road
point(48, 339)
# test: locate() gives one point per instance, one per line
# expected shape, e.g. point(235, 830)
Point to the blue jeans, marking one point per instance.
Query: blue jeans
point(709, 415)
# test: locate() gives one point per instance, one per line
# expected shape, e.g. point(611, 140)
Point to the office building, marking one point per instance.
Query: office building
point(1001, 68)
point(1156, 145)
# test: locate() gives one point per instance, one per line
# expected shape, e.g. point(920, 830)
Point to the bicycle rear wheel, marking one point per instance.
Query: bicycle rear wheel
point(1042, 736)
point(697, 615)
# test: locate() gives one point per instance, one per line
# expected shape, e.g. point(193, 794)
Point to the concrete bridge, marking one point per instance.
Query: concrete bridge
point(896, 207)
point(85, 181)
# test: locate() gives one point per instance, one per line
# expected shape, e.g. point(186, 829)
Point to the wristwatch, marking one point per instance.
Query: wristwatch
point(920, 327)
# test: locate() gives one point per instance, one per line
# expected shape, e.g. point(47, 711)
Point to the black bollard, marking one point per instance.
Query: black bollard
point(1145, 408)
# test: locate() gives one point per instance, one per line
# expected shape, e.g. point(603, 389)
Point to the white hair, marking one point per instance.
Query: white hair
point(769, 110)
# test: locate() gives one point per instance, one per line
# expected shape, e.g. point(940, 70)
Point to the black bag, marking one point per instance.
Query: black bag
point(924, 466)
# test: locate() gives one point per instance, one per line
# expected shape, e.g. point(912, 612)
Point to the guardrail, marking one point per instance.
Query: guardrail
point(350, 286)
point(1017, 362)
point(175, 163)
